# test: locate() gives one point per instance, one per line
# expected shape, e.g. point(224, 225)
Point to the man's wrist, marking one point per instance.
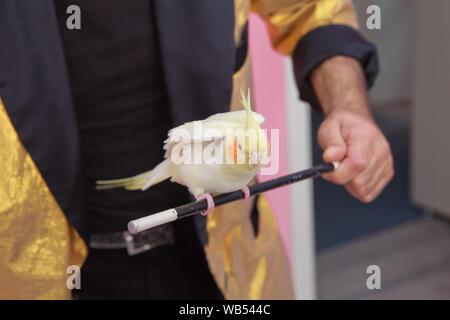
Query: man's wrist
point(340, 85)
point(360, 108)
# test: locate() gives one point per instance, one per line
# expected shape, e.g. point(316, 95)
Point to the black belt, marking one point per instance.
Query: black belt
point(134, 243)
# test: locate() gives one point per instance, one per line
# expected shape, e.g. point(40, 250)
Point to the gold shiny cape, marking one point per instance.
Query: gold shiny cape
point(38, 244)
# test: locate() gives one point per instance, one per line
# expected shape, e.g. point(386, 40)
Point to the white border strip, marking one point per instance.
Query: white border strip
point(302, 205)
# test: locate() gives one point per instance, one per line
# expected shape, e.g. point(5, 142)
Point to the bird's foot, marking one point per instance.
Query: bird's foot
point(246, 192)
point(209, 200)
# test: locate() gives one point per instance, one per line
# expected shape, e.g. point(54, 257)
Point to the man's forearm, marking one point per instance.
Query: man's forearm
point(349, 133)
point(339, 83)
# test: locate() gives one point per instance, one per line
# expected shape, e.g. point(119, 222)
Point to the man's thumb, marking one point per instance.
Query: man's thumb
point(334, 153)
point(332, 143)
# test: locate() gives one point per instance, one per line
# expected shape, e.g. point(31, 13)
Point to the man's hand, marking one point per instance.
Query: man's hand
point(349, 134)
point(366, 160)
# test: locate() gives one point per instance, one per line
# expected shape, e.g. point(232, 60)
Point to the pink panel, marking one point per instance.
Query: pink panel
point(269, 89)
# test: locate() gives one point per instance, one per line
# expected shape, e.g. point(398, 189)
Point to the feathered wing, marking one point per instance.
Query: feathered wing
point(160, 173)
point(212, 129)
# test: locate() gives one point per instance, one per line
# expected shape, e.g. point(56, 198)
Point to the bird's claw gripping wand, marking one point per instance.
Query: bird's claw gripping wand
point(190, 209)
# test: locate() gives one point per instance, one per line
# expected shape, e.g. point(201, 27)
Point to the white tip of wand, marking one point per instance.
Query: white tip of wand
point(151, 221)
point(336, 165)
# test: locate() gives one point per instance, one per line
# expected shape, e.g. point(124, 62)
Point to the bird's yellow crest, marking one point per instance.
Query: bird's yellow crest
point(246, 103)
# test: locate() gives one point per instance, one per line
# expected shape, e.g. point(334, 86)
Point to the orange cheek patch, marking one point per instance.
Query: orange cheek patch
point(232, 151)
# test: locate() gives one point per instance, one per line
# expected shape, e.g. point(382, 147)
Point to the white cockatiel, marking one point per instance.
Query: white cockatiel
point(221, 153)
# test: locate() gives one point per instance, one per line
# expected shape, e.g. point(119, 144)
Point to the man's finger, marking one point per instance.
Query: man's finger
point(367, 190)
point(364, 184)
point(379, 188)
point(348, 169)
point(368, 179)
point(356, 161)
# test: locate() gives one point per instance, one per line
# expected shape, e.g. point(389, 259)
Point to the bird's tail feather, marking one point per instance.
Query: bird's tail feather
point(141, 181)
point(130, 183)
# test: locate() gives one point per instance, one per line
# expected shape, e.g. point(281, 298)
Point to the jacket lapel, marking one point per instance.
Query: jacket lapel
point(36, 94)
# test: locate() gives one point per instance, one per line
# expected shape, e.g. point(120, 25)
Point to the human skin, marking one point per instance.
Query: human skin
point(349, 133)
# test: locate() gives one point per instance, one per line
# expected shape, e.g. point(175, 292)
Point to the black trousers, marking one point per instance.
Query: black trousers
point(177, 271)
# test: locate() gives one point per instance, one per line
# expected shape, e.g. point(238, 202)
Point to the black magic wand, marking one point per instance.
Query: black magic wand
point(190, 209)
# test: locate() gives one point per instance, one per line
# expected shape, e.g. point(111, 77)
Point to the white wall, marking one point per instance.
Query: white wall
point(302, 206)
point(394, 42)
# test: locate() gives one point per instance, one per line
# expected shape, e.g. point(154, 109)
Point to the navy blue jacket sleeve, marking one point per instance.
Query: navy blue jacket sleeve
point(325, 42)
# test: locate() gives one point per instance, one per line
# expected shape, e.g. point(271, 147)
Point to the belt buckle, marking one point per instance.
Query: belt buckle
point(141, 242)
point(131, 248)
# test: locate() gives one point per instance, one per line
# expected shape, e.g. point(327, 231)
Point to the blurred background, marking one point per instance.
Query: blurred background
point(331, 237)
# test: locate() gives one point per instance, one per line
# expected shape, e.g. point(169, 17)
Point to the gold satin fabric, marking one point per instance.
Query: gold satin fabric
point(246, 266)
point(289, 20)
point(36, 242)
